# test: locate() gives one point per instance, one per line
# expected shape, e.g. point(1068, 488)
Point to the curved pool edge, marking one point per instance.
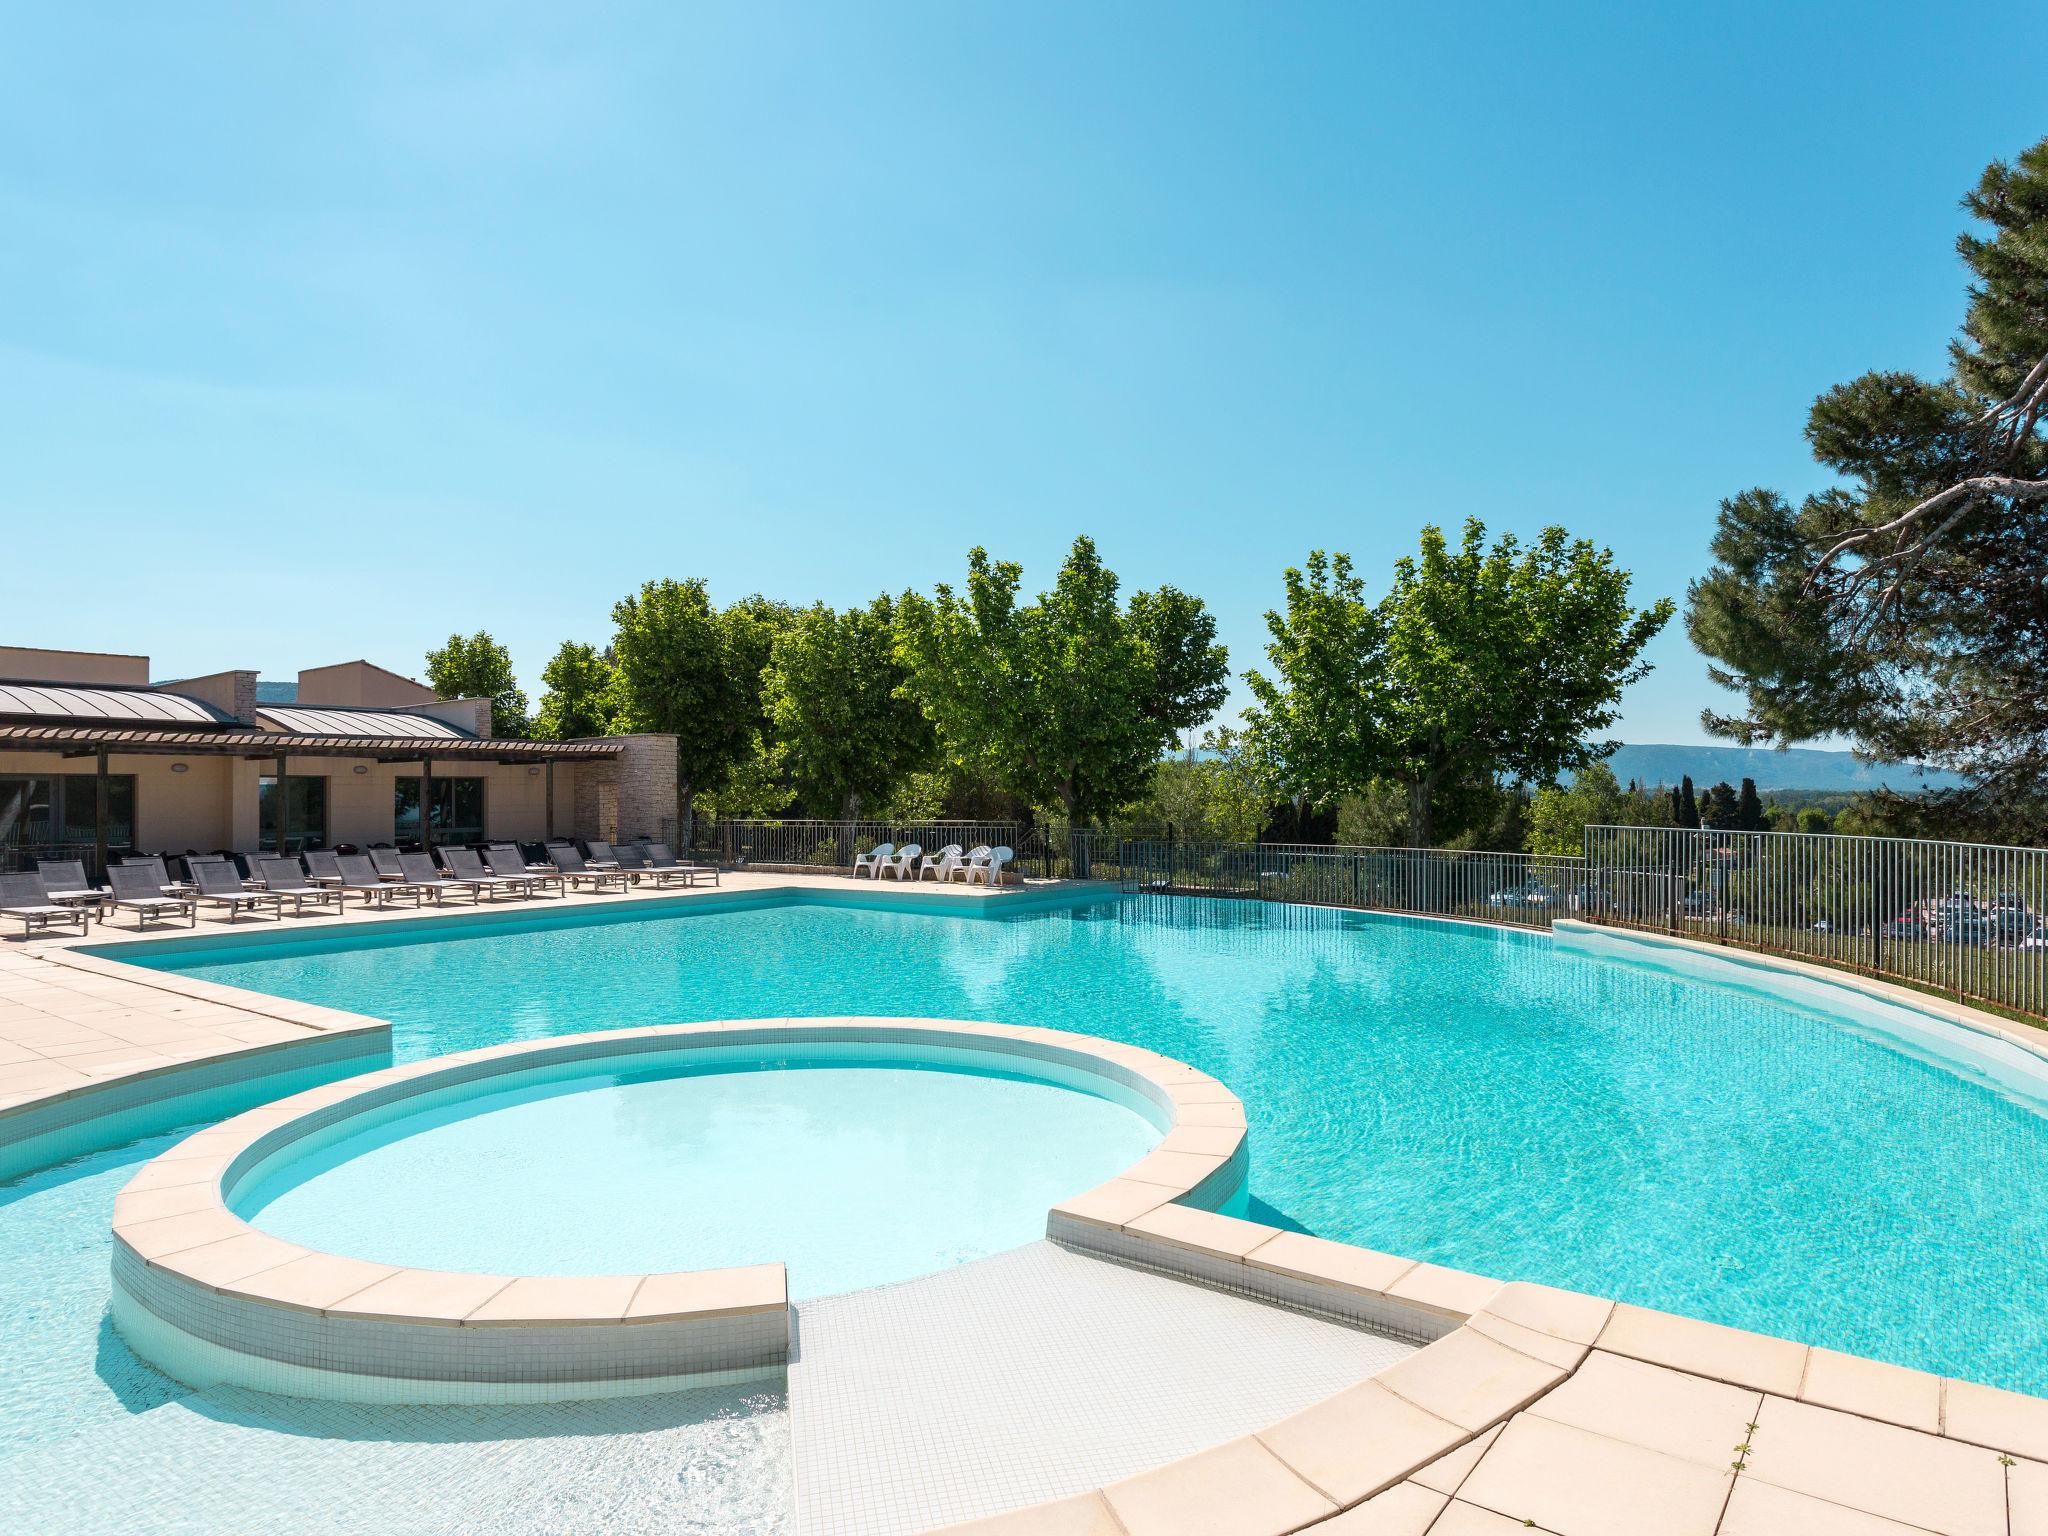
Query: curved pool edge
point(210, 1299)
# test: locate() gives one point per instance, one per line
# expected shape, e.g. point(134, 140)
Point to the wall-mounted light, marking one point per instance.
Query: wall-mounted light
point(179, 767)
point(533, 773)
point(362, 768)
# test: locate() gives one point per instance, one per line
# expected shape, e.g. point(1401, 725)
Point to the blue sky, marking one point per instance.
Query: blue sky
point(327, 330)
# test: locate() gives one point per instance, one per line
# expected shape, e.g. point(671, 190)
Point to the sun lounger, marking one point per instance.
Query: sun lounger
point(154, 864)
point(873, 860)
point(422, 872)
point(600, 855)
point(140, 889)
point(26, 897)
point(569, 863)
point(321, 868)
point(220, 886)
point(663, 866)
point(506, 861)
point(286, 880)
point(941, 864)
point(464, 865)
point(902, 864)
point(65, 880)
point(385, 862)
point(990, 872)
point(359, 874)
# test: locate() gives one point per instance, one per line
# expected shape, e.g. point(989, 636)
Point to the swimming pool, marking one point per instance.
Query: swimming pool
point(1477, 1098)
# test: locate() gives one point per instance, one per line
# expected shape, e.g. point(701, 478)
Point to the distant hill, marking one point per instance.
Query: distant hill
point(1794, 768)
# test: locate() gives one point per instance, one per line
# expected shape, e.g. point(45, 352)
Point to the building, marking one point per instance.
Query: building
point(97, 761)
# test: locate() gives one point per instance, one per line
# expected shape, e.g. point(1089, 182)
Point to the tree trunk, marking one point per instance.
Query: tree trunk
point(1420, 821)
point(686, 813)
point(1078, 863)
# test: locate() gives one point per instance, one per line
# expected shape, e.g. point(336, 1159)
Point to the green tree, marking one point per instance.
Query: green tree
point(1749, 808)
point(1321, 719)
point(1812, 819)
point(1717, 807)
point(1481, 665)
point(836, 694)
point(582, 694)
point(1218, 796)
point(686, 670)
point(1373, 817)
point(1901, 607)
point(1067, 702)
point(1560, 814)
point(477, 667)
point(1685, 810)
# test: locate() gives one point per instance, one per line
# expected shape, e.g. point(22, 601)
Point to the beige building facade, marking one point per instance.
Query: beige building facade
point(194, 765)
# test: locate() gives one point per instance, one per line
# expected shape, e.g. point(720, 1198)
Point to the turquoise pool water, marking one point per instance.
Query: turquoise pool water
point(1471, 1097)
point(850, 1175)
point(93, 1439)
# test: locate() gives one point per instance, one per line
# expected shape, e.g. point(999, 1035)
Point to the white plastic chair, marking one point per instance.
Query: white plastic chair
point(964, 868)
point(990, 870)
point(904, 865)
point(873, 860)
point(941, 864)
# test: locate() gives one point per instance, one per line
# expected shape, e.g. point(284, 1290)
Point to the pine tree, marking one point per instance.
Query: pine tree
point(1717, 807)
point(1749, 809)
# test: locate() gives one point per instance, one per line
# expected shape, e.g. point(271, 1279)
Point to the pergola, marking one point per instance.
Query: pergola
point(99, 742)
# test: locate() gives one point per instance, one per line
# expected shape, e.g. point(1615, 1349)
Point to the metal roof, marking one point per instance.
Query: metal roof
point(310, 721)
point(244, 742)
point(64, 701)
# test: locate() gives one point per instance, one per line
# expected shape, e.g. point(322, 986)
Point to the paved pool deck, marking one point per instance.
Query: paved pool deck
point(1538, 1411)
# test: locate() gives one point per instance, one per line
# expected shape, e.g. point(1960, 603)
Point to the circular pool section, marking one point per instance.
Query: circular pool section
point(574, 1175)
point(850, 1173)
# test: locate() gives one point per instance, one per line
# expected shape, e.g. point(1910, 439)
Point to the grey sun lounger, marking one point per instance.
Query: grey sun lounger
point(65, 880)
point(664, 867)
point(508, 863)
point(321, 868)
point(219, 884)
point(385, 862)
point(574, 871)
point(286, 880)
point(154, 864)
point(421, 871)
point(140, 889)
point(26, 897)
point(464, 865)
point(359, 874)
point(601, 855)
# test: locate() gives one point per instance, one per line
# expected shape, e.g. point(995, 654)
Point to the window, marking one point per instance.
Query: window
point(54, 816)
point(458, 815)
point(305, 813)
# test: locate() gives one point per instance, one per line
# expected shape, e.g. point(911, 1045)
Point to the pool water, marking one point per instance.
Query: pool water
point(94, 1439)
point(851, 1175)
point(1467, 1096)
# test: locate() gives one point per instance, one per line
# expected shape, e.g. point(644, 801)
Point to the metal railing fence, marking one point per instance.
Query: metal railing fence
point(1969, 919)
point(1518, 890)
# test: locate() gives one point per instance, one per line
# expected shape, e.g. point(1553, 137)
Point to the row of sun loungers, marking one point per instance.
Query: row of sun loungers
point(980, 865)
point(57, 892)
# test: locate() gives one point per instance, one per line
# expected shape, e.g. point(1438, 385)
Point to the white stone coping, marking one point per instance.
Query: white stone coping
point(185, 1262)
